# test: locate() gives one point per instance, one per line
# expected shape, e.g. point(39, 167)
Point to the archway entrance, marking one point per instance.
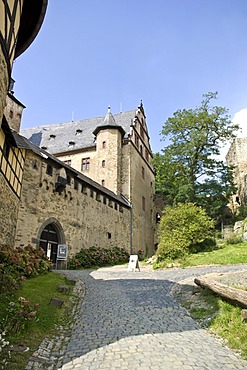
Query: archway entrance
point(49, 241)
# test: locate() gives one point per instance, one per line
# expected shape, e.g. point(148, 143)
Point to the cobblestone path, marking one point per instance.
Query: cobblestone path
point(129, 320)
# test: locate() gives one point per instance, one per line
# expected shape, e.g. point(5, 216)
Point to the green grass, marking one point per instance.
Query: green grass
point(37, 290)
point(219, 316)
point(228, 254)
point(228, 325)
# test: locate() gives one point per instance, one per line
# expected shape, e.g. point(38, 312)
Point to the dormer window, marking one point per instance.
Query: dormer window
point(52, 137)
point(44, 147)
point(71, 143)
point(78, 131)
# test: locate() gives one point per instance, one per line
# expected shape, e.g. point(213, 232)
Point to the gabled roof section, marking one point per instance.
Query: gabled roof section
point(77, 135)
point(109, 122)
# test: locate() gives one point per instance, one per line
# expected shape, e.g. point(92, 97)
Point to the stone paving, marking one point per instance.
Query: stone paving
point(129, 320)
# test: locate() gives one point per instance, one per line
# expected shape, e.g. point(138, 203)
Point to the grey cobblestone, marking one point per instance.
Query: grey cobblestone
point(130, 320)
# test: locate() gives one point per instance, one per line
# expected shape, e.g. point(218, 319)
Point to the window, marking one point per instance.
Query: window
point(143, 173)
point(85, 164)
point(83, 189)
point(142, 132)
point(157, 218)
point(6, 149)
point(103, 182)
point(11, 113)
point(35, 164)
point(109, 235)
point(68, 162)
point(143, 203)
point(104, 144)
point(68, 180)
point(141, 150)
point(76, 184)
point(103, 163)
point(146, 154)
point(49, 170)
point(137, 141)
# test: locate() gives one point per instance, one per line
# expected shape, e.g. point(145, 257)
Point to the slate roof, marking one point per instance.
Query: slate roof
point(75, 135)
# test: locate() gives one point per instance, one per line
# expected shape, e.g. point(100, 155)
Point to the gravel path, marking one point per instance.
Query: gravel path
point(130, 320)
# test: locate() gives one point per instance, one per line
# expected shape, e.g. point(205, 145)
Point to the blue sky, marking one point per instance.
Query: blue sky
point(94, 53)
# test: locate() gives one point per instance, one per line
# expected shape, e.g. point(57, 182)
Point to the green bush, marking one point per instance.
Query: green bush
point(18, 264)
point(234, 239)
point(97, 256)
point(184, 228)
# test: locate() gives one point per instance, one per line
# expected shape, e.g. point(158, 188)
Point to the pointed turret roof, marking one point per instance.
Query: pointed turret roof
point(109, 122)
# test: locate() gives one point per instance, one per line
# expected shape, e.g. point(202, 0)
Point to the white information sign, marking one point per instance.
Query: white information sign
point(133, 263)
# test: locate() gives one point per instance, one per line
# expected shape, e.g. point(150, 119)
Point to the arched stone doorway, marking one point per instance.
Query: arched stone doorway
point(50, 235)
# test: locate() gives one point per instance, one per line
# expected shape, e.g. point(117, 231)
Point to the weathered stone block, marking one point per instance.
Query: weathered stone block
point(244, 315)
point(63, 289)
point(56, 302)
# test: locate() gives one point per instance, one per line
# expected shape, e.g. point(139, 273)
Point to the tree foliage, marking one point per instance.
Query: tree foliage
point(188, 169)
point(183, 228)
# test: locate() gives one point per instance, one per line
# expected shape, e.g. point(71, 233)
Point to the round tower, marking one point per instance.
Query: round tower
point(109, 137)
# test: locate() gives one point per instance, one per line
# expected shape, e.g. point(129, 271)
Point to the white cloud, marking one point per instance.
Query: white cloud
point(239, 118)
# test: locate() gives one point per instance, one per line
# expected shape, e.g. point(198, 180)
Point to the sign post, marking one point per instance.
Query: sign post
point(62, 254)
point(133, 263)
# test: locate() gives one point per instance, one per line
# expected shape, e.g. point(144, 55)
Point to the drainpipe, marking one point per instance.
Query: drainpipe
point(131, 220)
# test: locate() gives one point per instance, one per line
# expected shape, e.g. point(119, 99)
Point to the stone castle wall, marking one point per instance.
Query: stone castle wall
point(85, 219)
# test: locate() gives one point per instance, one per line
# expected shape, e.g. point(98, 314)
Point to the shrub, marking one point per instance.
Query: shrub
point(184, 228)
point(97, 256)
point(19, 315)
point(20, 263)
point(234, 239)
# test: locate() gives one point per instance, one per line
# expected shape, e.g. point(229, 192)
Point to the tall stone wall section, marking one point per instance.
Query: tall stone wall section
point(9, 203)
point(135, 188)
point(85, 220)
point(237, 157)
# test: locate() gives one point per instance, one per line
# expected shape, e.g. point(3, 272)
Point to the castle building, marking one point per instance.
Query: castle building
point(114, 152)
point(20, 21)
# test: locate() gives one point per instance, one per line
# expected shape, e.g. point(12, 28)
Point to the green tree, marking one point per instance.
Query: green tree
point(188, 169)
point(183, 228)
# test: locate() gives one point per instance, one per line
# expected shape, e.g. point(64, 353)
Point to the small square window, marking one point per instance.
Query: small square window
point(68, 162)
